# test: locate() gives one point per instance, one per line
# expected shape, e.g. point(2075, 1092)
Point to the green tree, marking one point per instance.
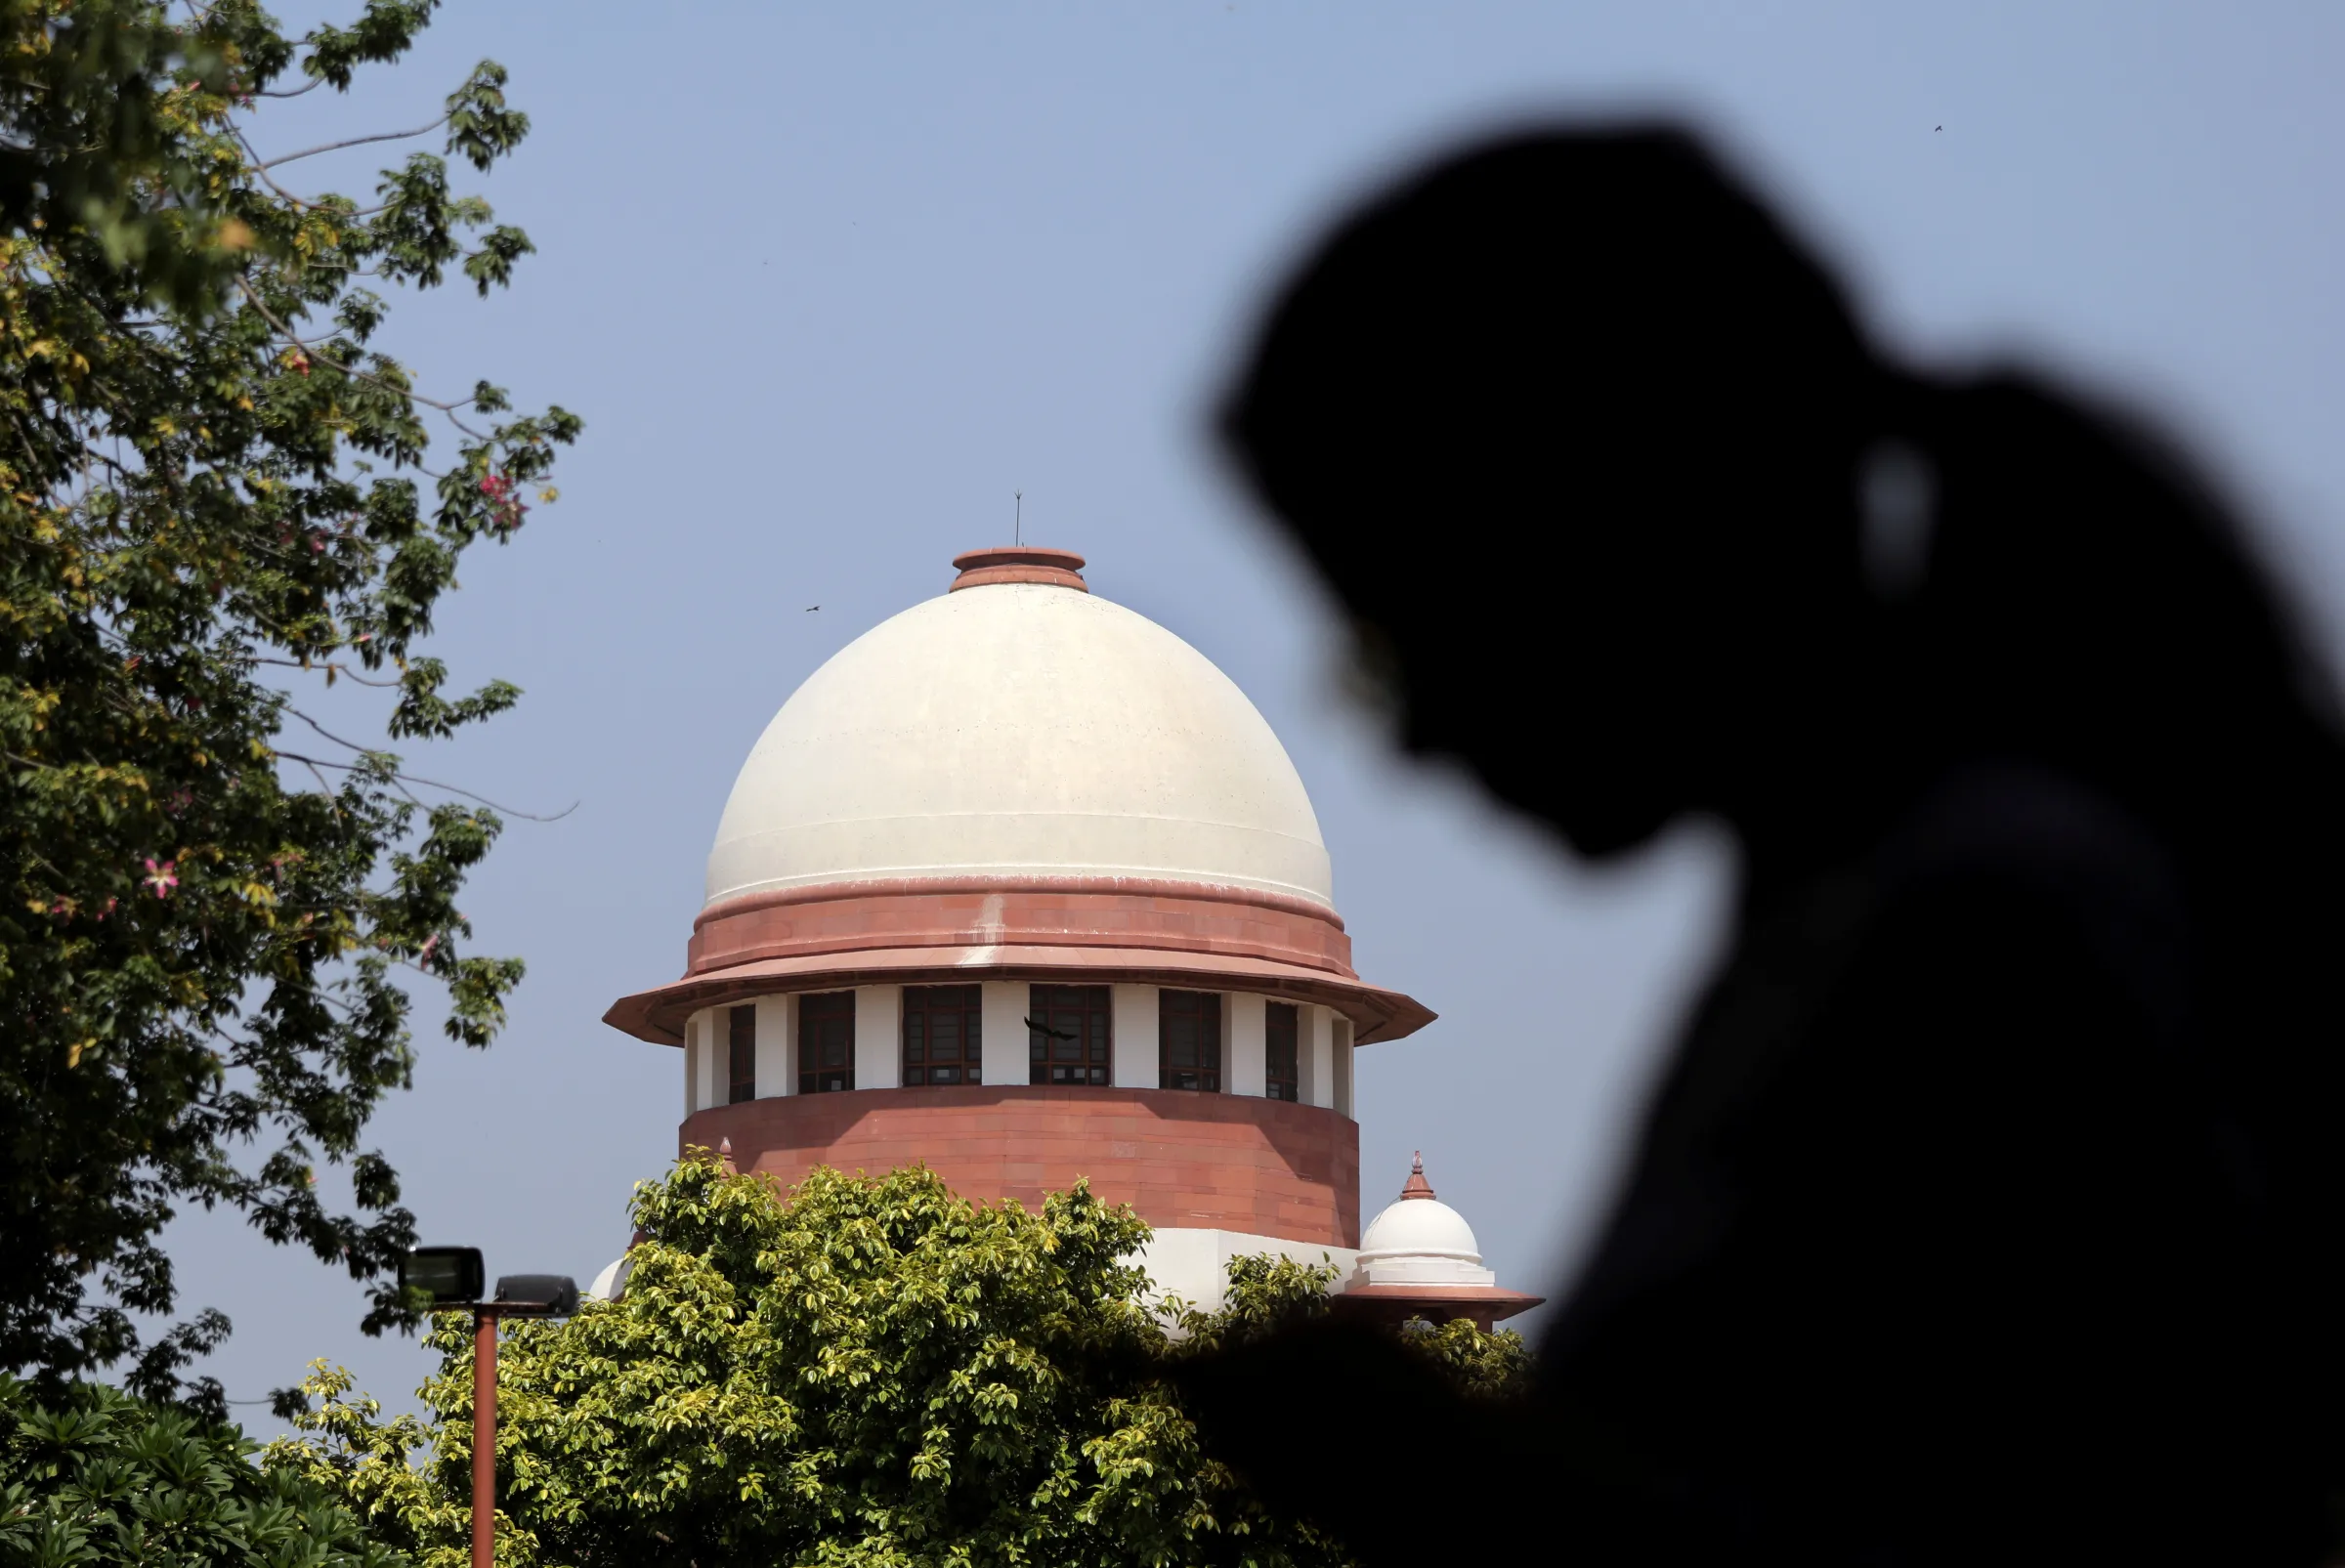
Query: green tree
point(221, 507)
point(100, 1478)
point(861, 1371)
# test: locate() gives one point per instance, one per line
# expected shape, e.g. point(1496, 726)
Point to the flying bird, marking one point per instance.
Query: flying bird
point(811, 609)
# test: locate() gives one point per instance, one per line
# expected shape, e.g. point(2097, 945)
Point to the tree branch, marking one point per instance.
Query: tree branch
point(262, 169)
point(322, 730)
point(356, 141)
point(290, 336)
point(315, 763)
point(339, 669)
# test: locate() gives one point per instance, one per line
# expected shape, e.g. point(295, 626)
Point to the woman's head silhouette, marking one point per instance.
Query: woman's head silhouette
point(1632, 519)
point(1571, 409)
point(1574, 426)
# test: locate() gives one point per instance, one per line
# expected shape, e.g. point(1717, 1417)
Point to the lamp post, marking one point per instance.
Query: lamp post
point(453, 1277)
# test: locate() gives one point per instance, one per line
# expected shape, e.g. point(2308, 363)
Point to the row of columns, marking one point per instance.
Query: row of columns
point(1323, 1050)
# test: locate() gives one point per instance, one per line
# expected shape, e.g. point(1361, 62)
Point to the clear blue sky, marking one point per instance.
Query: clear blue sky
point(828, 282)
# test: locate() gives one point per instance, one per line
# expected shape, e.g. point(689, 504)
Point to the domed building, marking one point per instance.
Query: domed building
point(1420, 1260)
point(1021, 886)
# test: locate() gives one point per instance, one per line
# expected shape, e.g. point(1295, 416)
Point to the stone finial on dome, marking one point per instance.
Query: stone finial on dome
point(1022, 563)
point(1418, 1186)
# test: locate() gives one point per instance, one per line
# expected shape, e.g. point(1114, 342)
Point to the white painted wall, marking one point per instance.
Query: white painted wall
point(1005, 1004)
point(1306, 1066)
point(1343, 1064)
point(1245, 1063)
point(1314, 1057)
point(1194, 1264)
point(878, 1036)
point(717, 1057)
point(777, 1038)
point(1132, 1028)
point(712, 1033)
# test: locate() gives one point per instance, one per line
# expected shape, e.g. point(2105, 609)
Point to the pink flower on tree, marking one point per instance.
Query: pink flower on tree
point(504, 506)
point(163, 877)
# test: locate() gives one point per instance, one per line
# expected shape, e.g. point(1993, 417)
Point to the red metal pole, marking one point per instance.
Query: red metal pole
point(484, 1438)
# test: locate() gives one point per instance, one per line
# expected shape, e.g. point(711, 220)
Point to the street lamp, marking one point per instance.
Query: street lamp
point(452, 1278)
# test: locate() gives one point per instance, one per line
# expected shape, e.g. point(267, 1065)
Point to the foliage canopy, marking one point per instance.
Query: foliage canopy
point(218, 499)
point(866, 1373)
point(99, 1478)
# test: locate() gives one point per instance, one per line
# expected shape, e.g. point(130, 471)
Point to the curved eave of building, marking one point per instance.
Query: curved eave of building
point(1497, 1303)
point(658, 1015)
point(1085, 928)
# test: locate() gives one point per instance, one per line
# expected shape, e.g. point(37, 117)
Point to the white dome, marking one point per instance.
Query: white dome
point(1018, 730)
point(611, 1282)
point(1420, 1227)
point(1419, 1241)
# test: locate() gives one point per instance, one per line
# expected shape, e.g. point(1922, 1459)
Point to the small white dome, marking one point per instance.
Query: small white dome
point(1018, 729)
point(1421, 1241)
point(611, 1282)
point(1420, 1227)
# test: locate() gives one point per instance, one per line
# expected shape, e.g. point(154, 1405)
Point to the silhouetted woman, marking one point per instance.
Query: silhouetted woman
point(1990, 1208)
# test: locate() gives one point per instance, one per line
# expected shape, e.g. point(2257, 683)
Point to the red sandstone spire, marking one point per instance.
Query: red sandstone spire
point(1418, 1186)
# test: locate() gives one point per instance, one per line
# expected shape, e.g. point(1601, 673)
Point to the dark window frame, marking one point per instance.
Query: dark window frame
point(1198, 1016)
point(917, 1045)
point(740, 1054)
point(1281, 1080)
point(816, 1009)
point(1070, 1036)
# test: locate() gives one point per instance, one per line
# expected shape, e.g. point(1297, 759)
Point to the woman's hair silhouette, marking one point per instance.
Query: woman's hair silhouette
point(1992, 1202)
